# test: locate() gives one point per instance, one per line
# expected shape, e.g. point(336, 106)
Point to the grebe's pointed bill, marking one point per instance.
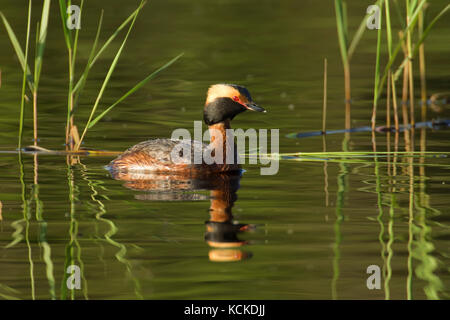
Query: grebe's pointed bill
point(254, 107)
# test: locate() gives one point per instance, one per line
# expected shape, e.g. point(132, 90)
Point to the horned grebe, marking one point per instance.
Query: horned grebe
point(223, 103)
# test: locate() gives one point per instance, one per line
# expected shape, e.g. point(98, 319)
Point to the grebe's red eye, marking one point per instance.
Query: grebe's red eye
point(236, 98)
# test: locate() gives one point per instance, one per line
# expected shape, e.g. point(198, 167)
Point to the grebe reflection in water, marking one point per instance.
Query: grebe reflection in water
point(221, 231)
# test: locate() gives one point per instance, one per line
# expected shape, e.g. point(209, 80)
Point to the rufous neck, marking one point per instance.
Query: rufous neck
point(221, 138)
point(220, 126)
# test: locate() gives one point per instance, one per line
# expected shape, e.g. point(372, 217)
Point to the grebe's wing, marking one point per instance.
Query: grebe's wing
point(162, 149)
point(158, 154)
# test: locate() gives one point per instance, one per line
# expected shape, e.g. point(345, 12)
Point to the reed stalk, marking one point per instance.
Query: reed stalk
point(405, 98)
point(347, 49)
point(391, 81)
point(342, 37)
point(71, 106)
point(388, 117)
point(106, 81)
point(400, 43)
point(409, 10)
point(414, 12)
point(347, 97)
point(71, 53)
point(377, 75)
point(411, 93)
point(394, 104)
point(32, 80)
point(324, 128)
point(40, 46)
point(324, 114)
point(423, 84)
point(388, 105)
point(73, 141)
point(428, 28)
point(24, 80)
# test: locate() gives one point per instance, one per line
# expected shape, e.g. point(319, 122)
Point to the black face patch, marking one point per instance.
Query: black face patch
point(221, 109)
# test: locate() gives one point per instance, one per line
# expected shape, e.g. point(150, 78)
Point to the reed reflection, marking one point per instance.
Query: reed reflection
point(221, 230)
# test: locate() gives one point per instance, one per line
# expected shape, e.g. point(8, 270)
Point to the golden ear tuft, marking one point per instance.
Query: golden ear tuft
point(221, 91)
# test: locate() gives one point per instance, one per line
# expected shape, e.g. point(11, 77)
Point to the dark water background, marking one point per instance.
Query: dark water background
point(319, 225)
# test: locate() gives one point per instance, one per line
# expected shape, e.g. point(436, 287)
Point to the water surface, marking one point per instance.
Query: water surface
point(313, 228)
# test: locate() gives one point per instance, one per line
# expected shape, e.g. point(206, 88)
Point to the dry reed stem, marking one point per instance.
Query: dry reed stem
point(405, 96)
point(347, 97)
point(394, 103)
point(324, 114)
point(35, 124)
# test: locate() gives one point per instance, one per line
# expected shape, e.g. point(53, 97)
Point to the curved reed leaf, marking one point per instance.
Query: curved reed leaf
point(64, 16)
point(75, 42)
point(429, 27)
point(24, 80)
point(85, 73)
point(135, 88)
point(377, 73)
point(105, 46)
point(18, 50)
point(412, 23)
point(359, 33)
point(41, 42)
point(108, 77)
point(341, 30)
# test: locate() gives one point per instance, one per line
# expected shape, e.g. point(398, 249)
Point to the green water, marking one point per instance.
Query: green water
point(317, 225)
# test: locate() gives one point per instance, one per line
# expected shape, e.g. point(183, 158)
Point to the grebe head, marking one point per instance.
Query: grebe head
point(225, 101)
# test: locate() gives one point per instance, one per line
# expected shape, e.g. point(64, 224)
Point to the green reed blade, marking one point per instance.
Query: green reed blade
point(388, 28)
point(359, 33)
point(64, 16)
point(398, 12)
point(85, 73)
point(429, 27)
point(399, 70)
point(377, 72)
point(412, 5)
point(75, 43)
point(18, 50)
point(135, 88)
point(344, 21)
point(24, 80)
point(341, 30)
point(36, 41)
point(41, 43)
point(412, 23)
point(106, 44)
point(108, 76)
